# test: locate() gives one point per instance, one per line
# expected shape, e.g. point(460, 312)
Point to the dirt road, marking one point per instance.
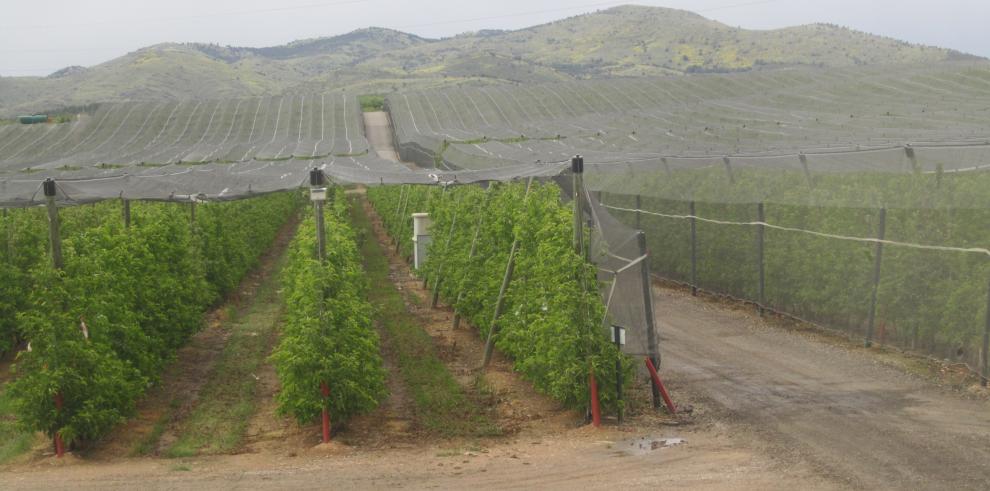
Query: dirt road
point(379, 134)
point(855, 421)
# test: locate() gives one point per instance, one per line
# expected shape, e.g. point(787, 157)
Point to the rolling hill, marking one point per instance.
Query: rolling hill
point(621, 41)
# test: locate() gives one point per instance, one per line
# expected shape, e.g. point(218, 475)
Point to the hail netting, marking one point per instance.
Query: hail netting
point(220, 149)
point(767, 186)
point(888, 245)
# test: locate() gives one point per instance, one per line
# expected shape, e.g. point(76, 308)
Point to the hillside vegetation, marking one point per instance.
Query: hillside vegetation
point(621, 41)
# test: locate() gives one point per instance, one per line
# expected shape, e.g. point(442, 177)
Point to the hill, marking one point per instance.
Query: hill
point(621, 41)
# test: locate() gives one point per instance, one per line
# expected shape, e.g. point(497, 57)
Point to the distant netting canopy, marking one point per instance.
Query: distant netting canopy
point(207, 150)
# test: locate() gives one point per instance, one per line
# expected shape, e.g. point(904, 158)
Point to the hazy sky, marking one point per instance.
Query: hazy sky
point(38, 37)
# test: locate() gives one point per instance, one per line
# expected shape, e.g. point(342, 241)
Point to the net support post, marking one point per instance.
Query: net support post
point(652, 349)
point(877, 263)
point(10, 236)
point(400, 227)
point(639, 213)
point(577, 169)
point(426, 274)
point(985, 352)
point(807, 170)
point(127, 213)
point(55, 241)
point(694, 249)
point(618, 336)
point(318, 194)
point(54, 226)
point(761, 259)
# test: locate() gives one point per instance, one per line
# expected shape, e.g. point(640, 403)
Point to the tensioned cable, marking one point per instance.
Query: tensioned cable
point(808, 153)
point(869, 240)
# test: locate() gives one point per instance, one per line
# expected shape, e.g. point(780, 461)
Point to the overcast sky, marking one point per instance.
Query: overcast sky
point(38, 37)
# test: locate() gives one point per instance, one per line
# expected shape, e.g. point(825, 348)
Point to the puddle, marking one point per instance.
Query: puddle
point(647, 444)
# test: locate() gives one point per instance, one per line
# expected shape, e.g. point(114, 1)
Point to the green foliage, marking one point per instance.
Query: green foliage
point(140, 292)
point(372, 102)
point(327, 336)
point(551, 326)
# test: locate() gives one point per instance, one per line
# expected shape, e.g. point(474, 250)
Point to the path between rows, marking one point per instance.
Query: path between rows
point(856, 421)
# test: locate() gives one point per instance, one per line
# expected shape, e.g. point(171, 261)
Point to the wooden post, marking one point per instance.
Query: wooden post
point(807, 170)
point(316, 180)
point(55, 240)
point(761, 263)
point(617, 333)
point(694, 250)
point(577, 168)
point(639, 206)
point(398, 204)
point(652, 348)
point(54, 234)
point(426, 274)
point(10, 236)
point(985, 353)
point(400, 228)
point(878, 260)
point(500, 301)
point(127, 213)
point(446, 248)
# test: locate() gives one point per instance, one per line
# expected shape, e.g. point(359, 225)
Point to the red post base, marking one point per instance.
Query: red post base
point(59, 444)
point(659, 384)
point(325, 389)
point(596, 410)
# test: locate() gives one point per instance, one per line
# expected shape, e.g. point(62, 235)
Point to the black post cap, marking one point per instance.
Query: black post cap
point(49, 187)
point(577, 164)
point(315, 177)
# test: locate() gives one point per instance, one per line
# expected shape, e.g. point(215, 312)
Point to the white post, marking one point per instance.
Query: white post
point(421, 238)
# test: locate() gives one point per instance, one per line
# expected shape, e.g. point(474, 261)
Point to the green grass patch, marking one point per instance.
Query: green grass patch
point(441, 404)
point(226, 404)
point(372, 102)
point(14, 440)
point(148, 444)
point(312, 157)
point(352, 154)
